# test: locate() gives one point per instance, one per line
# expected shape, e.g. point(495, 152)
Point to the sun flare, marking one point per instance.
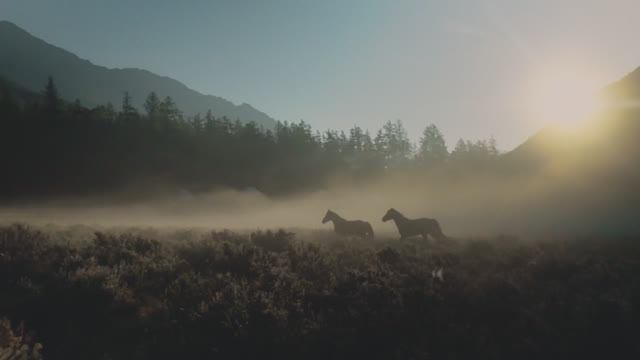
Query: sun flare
point(564, 96)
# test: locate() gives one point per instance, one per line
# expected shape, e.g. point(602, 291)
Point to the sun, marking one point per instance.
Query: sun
point(564, 95)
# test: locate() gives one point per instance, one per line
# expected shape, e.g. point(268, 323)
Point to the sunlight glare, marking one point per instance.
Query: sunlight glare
point(563, 95)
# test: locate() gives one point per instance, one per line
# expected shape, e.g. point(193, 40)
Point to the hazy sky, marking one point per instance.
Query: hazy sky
point(463, 65)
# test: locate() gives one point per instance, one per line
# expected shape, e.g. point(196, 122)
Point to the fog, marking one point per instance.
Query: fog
point(560, 183)
point(464, 205)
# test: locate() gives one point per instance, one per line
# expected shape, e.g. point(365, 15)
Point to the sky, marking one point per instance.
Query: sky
point(467, 66)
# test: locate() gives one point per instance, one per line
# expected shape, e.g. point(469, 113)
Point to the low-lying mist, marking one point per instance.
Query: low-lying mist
point(477, 205)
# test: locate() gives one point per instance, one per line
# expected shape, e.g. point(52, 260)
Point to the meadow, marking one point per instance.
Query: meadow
point(149, 293)
point(500, 125)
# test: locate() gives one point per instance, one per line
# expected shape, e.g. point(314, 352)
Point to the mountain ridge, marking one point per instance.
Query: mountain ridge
point(29, 60)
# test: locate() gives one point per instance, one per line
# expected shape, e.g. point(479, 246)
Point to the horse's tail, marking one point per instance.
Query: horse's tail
point(370, 230)
point(438, 231)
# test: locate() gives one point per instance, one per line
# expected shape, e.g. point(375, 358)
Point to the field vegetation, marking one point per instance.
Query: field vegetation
point(183, 293)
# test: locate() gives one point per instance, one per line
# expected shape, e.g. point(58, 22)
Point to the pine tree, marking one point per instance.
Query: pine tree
point(169, 110)
point(209, 120)
point(392, 142)
point(197, 123)
point(433, 148)
point(356, 139)
point(152, 105)
point(461, 150)
point(51, 97)
point(128, 111)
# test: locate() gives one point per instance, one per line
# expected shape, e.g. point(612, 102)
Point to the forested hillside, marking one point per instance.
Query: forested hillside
point(26, 60)
point(51, 147)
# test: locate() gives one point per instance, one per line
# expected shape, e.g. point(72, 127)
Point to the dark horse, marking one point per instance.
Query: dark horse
point(413, 227)
point(349, 227)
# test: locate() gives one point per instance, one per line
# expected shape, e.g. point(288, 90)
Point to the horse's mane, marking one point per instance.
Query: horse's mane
point(334, 214)
point(398, 213)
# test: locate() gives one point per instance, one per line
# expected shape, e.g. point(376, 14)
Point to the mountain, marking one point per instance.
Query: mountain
point(588, 174)
point(27, 61)
point(615, 130)
point(626, 90)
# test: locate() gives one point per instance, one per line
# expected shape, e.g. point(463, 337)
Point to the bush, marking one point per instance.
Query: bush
point(272, 241)
point(272, 295)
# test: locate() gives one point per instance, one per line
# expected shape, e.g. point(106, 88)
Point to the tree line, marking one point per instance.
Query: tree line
point(52, 147)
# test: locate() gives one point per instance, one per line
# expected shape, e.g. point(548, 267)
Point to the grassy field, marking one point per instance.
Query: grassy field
point(193, 294)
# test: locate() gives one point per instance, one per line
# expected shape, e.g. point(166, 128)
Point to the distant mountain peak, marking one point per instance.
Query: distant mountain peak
point(9, 24)
point(28, 61)
point(626, 89)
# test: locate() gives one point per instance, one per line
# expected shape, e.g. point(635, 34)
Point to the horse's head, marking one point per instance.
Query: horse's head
point(328, 216)
point(391, 214)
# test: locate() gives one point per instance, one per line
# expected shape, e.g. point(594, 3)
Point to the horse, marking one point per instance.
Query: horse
point(412, 227)
point(349, 227)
